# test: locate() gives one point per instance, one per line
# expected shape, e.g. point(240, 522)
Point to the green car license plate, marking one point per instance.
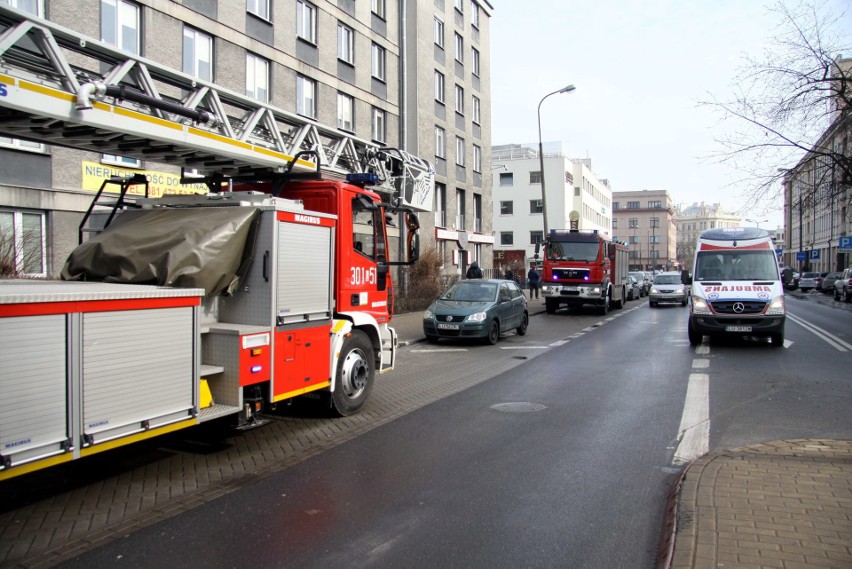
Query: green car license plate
point(737, 328)
point(442, 326)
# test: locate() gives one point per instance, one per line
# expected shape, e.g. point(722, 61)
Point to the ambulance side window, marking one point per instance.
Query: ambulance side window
point(362, 230)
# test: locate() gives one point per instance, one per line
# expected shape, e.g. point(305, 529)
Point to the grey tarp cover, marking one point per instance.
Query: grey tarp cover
point(208, 247)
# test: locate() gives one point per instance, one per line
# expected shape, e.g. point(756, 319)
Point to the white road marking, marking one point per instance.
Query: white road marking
point(700, 363)
point(559, 343)
point(831, 339)
point(702, 349)
point(694, 431)
point(523, 347)
point(434, 350)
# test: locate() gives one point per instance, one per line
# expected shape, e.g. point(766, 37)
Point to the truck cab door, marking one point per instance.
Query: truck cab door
point(367, 285)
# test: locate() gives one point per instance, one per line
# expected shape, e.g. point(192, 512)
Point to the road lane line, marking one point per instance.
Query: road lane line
point(830, 338)
point(694, 431)
point(433, 350)
point(523, 347)
point(700, 363)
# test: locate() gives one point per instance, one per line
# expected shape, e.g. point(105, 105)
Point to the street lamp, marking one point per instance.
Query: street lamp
point(566, 89)
point(758, 222)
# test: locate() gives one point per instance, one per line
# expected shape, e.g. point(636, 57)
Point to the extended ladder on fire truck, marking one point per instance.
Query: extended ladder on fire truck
point(61, 88)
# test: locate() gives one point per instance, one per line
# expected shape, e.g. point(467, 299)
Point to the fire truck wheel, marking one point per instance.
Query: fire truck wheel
point(493, 333)
point(551, 304)
point(605, 305)
point(356, 368)
point(525, 322)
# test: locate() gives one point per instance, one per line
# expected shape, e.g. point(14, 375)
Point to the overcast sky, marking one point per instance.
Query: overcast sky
point(639, 68)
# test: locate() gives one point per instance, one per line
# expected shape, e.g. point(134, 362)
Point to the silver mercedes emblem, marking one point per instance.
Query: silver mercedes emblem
point(739, 307)
point(449, 318)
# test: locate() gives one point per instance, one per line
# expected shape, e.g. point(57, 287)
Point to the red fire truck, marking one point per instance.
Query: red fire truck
point(183, 308)
point(583, 268)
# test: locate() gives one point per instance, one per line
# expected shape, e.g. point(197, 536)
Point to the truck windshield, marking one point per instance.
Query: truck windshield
point(572, 251)
point(736, 266)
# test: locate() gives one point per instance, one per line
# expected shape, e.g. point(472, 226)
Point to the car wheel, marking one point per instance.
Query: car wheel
point(683, 303)
point(431, 339)
point(846, 296)
point(356, 369)
point(836, 294)
point(493, 333)
point(777, 340)
point(652, 304)
point(694, 337)
point(525, 322)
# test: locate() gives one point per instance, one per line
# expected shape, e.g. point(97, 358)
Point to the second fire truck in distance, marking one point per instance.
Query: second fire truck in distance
point(583, 268)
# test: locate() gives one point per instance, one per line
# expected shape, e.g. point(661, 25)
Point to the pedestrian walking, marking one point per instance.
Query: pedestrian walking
point(474, 272)
point(508, 275)
point(534, 280)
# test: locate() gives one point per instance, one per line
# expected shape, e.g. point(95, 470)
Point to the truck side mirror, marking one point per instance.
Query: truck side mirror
point(787, 275)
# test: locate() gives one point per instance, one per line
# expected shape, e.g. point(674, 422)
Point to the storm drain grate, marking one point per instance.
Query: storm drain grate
point(518, 407)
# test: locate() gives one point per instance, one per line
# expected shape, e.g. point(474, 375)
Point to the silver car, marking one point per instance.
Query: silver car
point(667, 288)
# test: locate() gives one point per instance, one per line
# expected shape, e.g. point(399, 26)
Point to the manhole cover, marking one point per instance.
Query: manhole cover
point(518, 407)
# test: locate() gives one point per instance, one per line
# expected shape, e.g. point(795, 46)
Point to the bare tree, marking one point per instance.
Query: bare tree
point(792, 103)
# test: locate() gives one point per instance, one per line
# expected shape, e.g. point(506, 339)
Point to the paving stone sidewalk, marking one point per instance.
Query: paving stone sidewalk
point(784, 504)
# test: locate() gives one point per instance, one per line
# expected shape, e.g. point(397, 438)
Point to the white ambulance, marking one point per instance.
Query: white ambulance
point(736, 286)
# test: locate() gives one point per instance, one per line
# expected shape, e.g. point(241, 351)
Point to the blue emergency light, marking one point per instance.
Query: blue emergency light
point(363, 179)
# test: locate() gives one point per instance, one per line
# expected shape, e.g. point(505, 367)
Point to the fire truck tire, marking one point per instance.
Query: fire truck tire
point(604, 308)
point(356, 369)
point(620, 303)
point(525, 322)
point(493, 333)
point(551, 304)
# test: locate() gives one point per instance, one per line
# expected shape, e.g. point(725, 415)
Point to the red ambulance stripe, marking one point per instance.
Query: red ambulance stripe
point(709, 247)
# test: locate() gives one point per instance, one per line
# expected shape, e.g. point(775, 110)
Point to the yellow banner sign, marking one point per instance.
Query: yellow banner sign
point(159, 183)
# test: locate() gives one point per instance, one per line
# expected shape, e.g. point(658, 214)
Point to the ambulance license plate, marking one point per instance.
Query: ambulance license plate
point(448, 326)
point(737, 328)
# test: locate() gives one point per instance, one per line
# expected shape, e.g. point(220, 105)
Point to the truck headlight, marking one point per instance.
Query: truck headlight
point(427, 315)
point(595, 290)
point(545, 289)
point(776, 307)
point(476, 317)
point(700, 306)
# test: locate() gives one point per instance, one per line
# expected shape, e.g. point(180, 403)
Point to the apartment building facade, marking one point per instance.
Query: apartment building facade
point(518, 208)
point(359, 67)
point(645, 220)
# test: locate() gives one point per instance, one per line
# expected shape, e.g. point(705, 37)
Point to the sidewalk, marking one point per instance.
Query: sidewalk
point(783, 504)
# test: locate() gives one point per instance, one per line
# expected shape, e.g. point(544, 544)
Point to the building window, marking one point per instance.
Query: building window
point(535, 177)
point(653, 239)
point(507, 208)
point(460, 208)
point(378, 8)
point(306, 97)
point(614, 226)
point(459, 42)
point(459, 100)
point(345, 112)
point(22, 243)
point(474, 15)
point(440, 144)
point(477, 158)
point(380, 130)
point(120, 25)
point(440, 205)
point(536, 206)
point(477, 213)
point(259, 8)
point(459, 151)
point(123, 161)
point(459, 5)
point(306, 21)
point(477, 110)
point(475, 57)
point(34, 7)
point(655, 204)
point(536, 237)
point(632, 205)
point(439, 86)
point(634, 239)
point(18, 144)
point(615, 205)
point(633, 222)
point(507, 179)
point(439, 32)
point(345, 44)
point(197, 54)
point(507, 238)
point(379, 61)
point(257, 78)
point(655, 222)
